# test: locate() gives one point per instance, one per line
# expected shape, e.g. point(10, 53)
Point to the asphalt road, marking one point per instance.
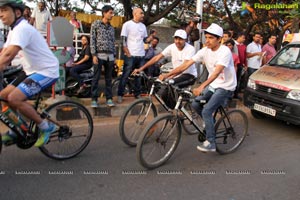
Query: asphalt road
point(266, 166)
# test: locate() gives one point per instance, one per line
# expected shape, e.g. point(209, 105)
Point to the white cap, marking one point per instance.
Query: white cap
point(180, 33)
point(215, 29)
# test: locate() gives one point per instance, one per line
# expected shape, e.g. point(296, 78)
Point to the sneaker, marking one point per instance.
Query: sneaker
point(94, 104)
point(9, 138)
point(45, 134)
point(110, 103)
point(120, 99)
point(206, 146)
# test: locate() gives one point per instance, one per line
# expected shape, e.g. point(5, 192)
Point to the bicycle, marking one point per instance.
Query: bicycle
point(75, 129)
point(160, 138)
point(142, 111)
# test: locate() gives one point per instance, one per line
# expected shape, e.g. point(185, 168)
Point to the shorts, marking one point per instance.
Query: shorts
point(33, 84)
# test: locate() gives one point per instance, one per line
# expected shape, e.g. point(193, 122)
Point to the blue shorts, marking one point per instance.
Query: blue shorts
point(35, 83)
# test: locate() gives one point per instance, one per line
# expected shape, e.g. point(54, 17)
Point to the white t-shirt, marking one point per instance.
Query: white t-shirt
point(135, 33)
point(37, 56)
point(222, 56)
point(41, 19)
point(178, 57)
point(255, 61)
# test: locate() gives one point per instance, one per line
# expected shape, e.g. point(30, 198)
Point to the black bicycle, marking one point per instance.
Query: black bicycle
point(142, 111)
point(74, 132)
point(160, 138)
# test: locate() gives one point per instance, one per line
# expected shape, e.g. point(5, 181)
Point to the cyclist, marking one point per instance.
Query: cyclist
point(218, 87)
point(40, 72)
point(179, 52)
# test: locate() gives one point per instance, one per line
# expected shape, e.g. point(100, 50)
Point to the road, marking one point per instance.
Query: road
point(266, 166)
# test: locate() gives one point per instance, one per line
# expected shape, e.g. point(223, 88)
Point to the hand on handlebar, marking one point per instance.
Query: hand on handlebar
point(197, 91)
point(135, 72)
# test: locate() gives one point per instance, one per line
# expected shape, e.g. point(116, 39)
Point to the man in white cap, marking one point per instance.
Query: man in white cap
point(179, 52)
point(219, 86)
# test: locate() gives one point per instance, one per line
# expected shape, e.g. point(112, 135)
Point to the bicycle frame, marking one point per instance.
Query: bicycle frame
point(182, 109)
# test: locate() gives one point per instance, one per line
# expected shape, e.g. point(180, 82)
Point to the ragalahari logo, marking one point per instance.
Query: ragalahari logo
point(246, 9)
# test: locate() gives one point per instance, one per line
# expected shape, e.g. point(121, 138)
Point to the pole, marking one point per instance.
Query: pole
point(199, 10)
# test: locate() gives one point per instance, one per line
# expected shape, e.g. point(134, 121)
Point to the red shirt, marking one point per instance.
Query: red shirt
point(270, 51)
point(242, 54)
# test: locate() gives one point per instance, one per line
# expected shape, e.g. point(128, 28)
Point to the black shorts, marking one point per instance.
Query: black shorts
point(20, 77)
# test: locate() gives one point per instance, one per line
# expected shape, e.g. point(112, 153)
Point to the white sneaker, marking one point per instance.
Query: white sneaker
point(206, 146)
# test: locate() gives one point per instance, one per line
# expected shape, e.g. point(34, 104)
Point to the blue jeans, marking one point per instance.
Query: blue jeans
point(76, 70)
point(214, 101)
point(108, 69)
point(131, 63)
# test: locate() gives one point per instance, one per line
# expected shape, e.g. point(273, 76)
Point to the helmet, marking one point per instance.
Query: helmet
point(13, 3)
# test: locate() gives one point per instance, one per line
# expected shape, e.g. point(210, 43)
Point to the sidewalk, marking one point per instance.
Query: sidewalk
point(103, 110)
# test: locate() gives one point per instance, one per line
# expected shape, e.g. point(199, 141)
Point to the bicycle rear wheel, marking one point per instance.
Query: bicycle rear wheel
point(187, 124)
point(75, 131)
point(134, 119)
point(158, 141)
point(231, 131)
point(0, 143)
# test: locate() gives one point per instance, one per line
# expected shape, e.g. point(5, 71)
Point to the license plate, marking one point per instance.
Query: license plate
point(265, 109)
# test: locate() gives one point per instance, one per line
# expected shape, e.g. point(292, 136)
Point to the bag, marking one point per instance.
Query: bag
point(168, 95)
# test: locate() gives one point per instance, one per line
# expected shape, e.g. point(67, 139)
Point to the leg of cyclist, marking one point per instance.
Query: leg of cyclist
point(218, 98)
point(10, 137)
point(17, 100)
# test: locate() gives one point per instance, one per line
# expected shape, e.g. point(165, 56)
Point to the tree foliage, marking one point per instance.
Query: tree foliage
point(229, 13)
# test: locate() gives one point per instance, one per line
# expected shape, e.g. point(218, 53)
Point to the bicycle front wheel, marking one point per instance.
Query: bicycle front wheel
point(158, 141)
point(74, 133)
point(134, 119)
point(231, 130)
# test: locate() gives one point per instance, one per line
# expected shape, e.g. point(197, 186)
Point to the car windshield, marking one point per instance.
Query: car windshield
point(288, 57)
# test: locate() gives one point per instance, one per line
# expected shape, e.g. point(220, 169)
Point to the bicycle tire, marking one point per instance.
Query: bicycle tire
point(230, 138)
point(0, 143)
point(75, 133)
point(187, 126)
point(134, 119)
point(155, 137)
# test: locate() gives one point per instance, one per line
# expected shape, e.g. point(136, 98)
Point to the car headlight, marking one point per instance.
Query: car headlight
point(251, 84)
point(294, 94)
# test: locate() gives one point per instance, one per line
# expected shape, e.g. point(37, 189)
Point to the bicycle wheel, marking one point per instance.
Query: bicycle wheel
point(0, 143)
point(134, 119)
point(158, 141)
point(187, 124)
point(231, 131)
point(73, 135)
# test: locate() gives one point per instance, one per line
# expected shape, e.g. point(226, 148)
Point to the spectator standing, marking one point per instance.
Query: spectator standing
point(27, 13)
point(103, 52)
point(226, 37)
point(153, 50)
point(192, 31)
point(269, 48)
point(254, 54)
point(40, 17)
point(134, 35)
point(236, 61)
point(76, 23)
point(242, 67)
point(83, 62)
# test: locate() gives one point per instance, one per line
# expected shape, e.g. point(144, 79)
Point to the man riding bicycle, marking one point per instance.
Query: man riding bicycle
point(179, 52)
point(219, 86)
point(41, 70)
